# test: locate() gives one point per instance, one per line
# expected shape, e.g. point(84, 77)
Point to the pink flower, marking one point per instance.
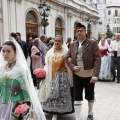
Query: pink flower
point(40, 73)
point(21, 109)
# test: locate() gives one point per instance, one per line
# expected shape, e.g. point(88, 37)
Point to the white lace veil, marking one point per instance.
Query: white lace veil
point(22, 73)
point(100, 43)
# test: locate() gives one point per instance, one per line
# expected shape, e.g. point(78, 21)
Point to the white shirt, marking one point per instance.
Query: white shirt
point(80, 43)
point(115, 45)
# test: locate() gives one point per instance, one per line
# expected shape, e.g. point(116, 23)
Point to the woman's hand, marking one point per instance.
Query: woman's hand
point(77, 68)
point(20, 101)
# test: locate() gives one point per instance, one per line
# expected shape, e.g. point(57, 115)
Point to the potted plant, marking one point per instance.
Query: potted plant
point(44, 23)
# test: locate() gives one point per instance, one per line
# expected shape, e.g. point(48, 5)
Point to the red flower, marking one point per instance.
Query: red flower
point(40, 73)
point(21, 109)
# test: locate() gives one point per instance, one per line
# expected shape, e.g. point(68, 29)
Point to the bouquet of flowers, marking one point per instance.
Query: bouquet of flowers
point(21, 110)
point(40, 75)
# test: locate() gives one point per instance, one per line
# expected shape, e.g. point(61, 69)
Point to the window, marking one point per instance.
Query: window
point(58, 22)
point(109, 12)
point(117, 29)
point(115, 20)
point(31, 17)
point(116, 12)
point(58, 26)
point(100, 22)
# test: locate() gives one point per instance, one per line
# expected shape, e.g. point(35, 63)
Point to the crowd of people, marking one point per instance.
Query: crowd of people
point(70, 67)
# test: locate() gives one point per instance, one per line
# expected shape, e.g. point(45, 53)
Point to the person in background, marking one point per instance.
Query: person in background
point(68, 42)
point(109, 41)
point(55, 90)
point(105, 73)
point(43, 38)
point(22, 44)
point(49, 44)
point(85, 63)
point(115, 57)
point(0, 48)
point(37, 58)
point(16, 85)
point(13, 35)
point(29, 46)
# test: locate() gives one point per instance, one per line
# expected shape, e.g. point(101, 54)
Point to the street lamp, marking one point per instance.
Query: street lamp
point(44, 11)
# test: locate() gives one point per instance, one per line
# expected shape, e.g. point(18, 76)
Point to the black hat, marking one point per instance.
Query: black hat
point(79, 25)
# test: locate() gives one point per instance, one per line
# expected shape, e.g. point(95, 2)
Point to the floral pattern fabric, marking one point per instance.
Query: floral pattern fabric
point(105, 73)
point(59, 101)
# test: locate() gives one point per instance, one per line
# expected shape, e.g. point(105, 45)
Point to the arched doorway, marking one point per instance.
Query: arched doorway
point(58, 26)
point(31, 25)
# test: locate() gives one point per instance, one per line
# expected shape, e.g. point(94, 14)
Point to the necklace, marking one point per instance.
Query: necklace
point(10, 64)
point(57, 55)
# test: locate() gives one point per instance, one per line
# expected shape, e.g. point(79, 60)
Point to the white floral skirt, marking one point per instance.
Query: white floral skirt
point(105, 72)
point(6, 110)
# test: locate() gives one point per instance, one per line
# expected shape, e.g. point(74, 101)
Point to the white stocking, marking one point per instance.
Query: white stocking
point(77, 106)
point(90, 107)
point(54, 117)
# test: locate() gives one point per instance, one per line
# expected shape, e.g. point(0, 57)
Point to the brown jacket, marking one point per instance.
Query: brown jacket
point(91, 56)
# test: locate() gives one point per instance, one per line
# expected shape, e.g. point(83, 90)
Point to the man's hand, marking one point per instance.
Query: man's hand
point(76, 68)
point(112, 51)
point(93, 79)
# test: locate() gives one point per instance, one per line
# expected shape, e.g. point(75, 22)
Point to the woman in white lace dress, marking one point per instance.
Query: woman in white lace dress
point(15, 74)
point(105, 73)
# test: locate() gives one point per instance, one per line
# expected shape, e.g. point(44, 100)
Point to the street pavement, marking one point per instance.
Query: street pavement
point(107, 104)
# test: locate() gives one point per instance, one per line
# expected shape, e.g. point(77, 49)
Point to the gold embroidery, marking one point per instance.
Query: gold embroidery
point(56, 56)
point(5, 79)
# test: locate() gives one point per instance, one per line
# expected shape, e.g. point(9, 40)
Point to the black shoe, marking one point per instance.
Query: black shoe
point(90, 117)
point(118, 81)
point(113, 79)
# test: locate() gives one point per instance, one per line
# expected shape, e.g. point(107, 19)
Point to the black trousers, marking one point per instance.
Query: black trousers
point(81, 83)
point(115, 64)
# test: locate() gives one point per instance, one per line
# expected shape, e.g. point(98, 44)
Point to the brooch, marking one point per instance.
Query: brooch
point(15, 90)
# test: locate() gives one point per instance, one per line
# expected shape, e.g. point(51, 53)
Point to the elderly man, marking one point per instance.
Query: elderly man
point(115, 57)
point(84, 60)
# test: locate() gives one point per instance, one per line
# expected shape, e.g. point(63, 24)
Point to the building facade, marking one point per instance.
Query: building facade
point(113, 15)
point(23, 16)
point(101, 6)
point(109, 13)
